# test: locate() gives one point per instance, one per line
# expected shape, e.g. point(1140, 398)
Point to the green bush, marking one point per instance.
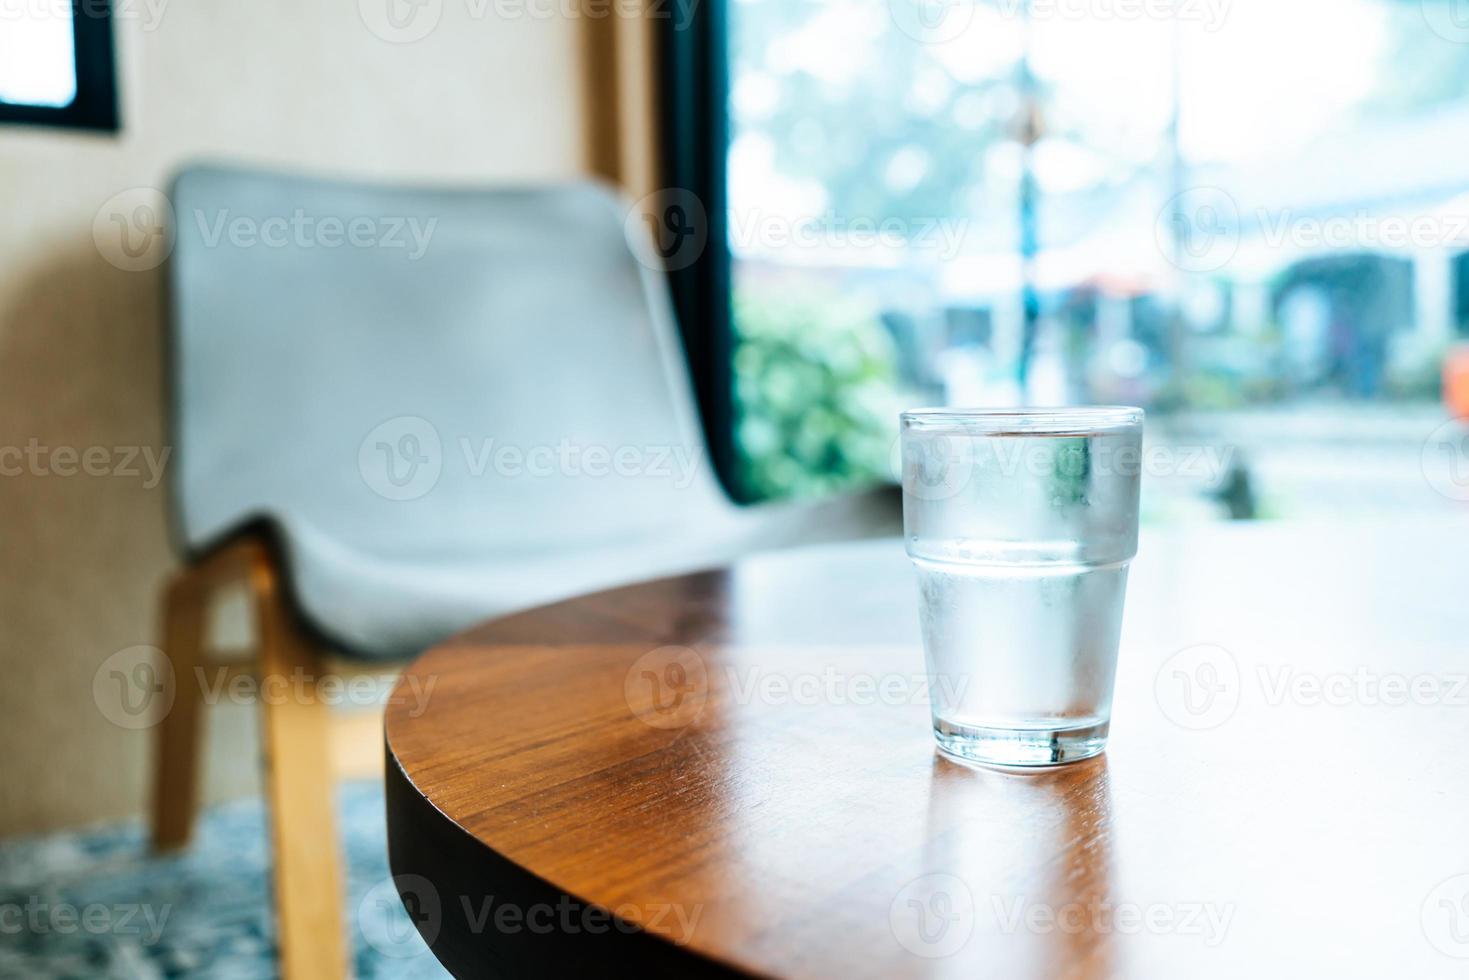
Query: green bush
point(815, 393)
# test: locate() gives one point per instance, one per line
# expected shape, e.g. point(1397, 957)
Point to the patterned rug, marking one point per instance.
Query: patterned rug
point(97, 904)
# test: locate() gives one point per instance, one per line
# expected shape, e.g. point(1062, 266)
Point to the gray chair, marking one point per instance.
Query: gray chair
point(399, 411)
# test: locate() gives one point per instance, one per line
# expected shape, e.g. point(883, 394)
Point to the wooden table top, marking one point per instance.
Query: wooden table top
point(1286, 790)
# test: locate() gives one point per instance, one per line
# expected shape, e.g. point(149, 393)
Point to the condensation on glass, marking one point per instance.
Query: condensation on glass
point(1021, 525)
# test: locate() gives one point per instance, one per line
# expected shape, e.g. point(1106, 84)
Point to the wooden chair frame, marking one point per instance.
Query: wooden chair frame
point(296, 751)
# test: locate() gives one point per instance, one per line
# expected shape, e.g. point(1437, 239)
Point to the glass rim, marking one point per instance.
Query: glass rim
point(1050, 420)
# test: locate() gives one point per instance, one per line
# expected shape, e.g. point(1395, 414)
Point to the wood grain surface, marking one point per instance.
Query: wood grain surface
point(733, 772)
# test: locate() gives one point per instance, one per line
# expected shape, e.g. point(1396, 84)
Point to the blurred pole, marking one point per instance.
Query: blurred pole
point(1029, 134)
point(1177, 178)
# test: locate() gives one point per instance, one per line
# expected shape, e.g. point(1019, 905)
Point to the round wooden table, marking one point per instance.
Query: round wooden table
point(732, 773)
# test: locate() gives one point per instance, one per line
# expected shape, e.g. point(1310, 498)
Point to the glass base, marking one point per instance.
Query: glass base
point(1023, 747)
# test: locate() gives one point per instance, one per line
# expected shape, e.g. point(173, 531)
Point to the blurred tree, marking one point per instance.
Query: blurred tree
point(1422, 69)
point(894, 133)
point(815, 389)
point(887, 129)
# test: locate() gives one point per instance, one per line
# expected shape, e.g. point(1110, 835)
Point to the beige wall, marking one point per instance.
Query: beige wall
point(301, 83)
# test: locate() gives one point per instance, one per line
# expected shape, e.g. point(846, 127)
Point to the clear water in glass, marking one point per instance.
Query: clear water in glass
point(1021, 526)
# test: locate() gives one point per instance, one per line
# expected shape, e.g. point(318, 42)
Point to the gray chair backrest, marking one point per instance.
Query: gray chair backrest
point(325, 334)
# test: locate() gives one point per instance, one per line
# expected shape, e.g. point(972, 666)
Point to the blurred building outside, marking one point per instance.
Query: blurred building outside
point(1265, 268)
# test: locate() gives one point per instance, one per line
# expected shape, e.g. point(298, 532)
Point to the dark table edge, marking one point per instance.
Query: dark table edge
point(446, 879)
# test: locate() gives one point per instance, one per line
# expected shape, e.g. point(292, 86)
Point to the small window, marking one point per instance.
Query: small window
point(56, 65)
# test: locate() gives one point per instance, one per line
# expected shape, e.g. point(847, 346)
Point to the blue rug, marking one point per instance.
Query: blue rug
point(97, 904)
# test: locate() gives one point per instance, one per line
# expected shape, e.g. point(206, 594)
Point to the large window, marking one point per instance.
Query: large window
point(1249, 216)
point(56, 64)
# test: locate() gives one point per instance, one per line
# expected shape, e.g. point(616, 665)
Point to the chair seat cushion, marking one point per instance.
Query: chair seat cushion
point(392, 608)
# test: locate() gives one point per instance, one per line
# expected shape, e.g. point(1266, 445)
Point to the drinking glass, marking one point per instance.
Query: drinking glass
point(1021, 524)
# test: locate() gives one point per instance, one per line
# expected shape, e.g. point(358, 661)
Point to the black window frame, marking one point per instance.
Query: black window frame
point(95, 105)
point(695, 126)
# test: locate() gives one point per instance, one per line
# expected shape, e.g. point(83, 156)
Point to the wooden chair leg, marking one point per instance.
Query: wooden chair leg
point(298, 788)
point(179, 735)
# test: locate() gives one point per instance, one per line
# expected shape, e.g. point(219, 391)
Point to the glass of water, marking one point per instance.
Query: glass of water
point(1021, 524)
